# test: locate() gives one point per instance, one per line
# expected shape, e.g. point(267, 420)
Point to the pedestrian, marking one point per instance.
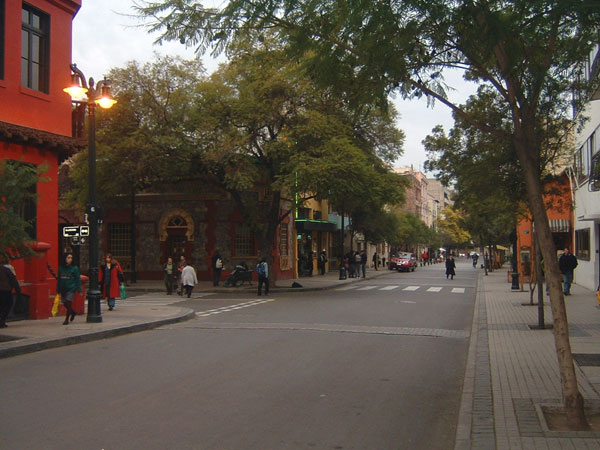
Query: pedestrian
point(170, 272)
point(110, 277)
point(262, 268)
point(567, 263)
point(180, 266)
point(475, 257)
point(217, 267)
point(424, 258)
point(8, 282)
point(356, 264)
point(383, 258)
point(322, 261)
point(450, 266)
point(363, 263)
point(69, 282)
point(375, 260)
point(188, 279)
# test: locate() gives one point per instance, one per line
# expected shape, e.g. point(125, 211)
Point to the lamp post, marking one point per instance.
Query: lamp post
point(98, 94)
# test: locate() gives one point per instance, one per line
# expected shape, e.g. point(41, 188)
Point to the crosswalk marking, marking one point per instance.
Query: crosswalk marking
point(393, 286)
point(212, 312)
point(411, 288)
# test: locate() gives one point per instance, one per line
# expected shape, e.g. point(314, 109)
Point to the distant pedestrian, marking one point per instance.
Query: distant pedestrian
point(322, 262)
point(363, 263)
point(262, 268)
point(69, 282)
point(567, 264)
point(475, 257)
point(375, 260)
point(383, 258)
point(450, 266)
point(425, 258)
point(180, 266)
point(110, 278)
point(170, 272)
point(8, 282)
point(217, 267)
point(188, 279)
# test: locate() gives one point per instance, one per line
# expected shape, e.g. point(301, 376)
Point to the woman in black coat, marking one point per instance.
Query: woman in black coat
point(450, 266)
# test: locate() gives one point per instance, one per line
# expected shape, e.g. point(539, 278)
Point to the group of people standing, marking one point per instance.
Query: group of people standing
point(355, 264)
point(182, 277)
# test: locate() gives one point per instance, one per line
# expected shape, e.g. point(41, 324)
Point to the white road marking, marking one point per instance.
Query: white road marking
point(211, 312)
point(411, 288)
point(434, 289)
point(346, 288)
point(367, 288)
point(389, 288)
point(458, 290)
point(407, 301)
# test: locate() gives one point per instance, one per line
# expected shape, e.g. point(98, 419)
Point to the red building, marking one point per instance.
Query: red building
point(35, 120)
point(559, 208)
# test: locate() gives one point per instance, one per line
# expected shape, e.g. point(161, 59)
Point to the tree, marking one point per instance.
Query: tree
point(528, 51)
point(450, 225)
point(17, 191)
point(147, 137)
point(265, 125)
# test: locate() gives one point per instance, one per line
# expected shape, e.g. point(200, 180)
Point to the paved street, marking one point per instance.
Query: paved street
point(372, 365)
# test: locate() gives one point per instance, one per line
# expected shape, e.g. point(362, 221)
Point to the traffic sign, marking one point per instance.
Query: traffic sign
point(70, 231)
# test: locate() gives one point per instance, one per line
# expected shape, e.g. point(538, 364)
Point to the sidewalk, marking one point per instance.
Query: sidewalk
point(511, 369)
point(315, 283)
point(26, 336)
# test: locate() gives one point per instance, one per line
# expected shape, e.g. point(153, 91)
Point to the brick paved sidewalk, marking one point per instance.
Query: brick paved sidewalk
point(512, 368)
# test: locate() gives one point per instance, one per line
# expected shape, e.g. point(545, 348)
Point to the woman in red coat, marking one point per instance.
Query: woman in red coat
point(110, 278)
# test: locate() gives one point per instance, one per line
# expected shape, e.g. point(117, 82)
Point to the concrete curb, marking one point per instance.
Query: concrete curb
point(37, 344)
point(465, 415)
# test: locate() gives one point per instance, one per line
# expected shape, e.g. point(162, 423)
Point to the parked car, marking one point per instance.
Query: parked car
point(403, 262)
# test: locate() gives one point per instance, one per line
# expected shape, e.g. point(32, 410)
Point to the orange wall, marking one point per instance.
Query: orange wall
point(21, 106)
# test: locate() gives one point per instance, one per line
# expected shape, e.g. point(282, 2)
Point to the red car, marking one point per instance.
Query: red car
point(403, 262)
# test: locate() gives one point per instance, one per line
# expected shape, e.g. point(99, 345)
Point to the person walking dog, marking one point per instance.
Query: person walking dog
point(567, 264)
point(69, 282)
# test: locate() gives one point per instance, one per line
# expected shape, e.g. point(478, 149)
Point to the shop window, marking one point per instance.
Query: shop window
point(582, 244)
point(119, 240)
point(35, 48)
point(244, 240)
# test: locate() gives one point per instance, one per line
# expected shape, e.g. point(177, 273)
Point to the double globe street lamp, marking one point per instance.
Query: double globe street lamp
point(88, 95)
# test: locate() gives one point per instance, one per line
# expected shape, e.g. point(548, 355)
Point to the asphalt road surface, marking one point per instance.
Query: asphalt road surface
point(374, 365)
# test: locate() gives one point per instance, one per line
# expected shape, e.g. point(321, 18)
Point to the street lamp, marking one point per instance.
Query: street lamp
point(95, 95)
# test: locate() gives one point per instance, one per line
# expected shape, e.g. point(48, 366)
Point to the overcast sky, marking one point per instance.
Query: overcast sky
point(105, 37)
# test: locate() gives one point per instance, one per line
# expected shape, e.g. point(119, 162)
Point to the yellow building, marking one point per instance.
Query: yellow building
point(314, 233)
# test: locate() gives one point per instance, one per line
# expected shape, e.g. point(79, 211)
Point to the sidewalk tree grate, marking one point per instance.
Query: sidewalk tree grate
point(587, 359)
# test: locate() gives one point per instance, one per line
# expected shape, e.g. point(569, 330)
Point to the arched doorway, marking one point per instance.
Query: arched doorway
point(176, 229)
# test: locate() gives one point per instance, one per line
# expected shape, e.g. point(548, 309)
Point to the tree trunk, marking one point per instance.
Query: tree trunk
point(573, 400)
